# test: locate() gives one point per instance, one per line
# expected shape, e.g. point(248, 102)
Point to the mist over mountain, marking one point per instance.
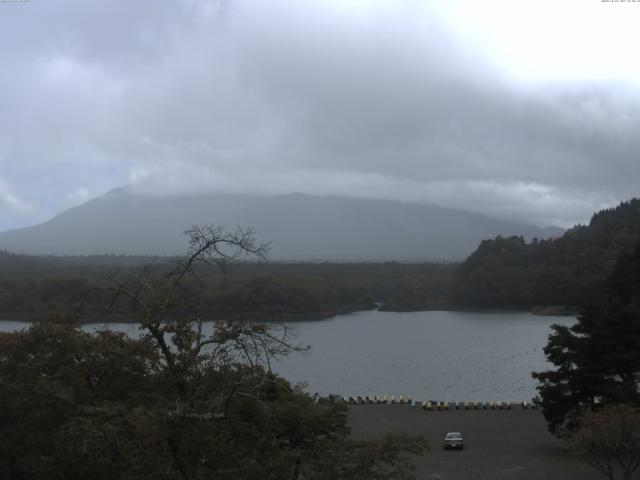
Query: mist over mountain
point(299, 227)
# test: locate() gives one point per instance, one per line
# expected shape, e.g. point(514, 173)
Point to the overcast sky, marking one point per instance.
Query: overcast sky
point(526, 110)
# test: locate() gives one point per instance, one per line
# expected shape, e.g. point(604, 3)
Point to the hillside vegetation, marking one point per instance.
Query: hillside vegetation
point(570, 270)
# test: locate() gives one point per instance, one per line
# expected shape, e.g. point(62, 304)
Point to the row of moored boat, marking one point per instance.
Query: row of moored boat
point(438, 405)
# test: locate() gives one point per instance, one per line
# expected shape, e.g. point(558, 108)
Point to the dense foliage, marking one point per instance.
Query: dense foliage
point(179, 402)
point(36, 286)
point(597, 360)
point(570, 270)
point(78, 406)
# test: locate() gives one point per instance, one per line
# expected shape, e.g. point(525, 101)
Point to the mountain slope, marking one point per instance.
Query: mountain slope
point(299, 227)
point(571, 270)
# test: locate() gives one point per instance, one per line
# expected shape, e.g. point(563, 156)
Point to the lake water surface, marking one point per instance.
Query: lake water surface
point(434, 355)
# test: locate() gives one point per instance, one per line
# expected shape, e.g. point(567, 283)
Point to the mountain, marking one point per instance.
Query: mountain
point(571, 270)
point(299, 227)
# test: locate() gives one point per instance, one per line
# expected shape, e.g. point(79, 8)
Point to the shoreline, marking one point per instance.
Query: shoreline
point(552, 311)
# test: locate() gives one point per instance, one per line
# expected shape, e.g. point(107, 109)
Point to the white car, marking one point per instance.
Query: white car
point(453, 440)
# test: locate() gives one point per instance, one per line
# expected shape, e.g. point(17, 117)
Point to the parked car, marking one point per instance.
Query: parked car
point(453, 440)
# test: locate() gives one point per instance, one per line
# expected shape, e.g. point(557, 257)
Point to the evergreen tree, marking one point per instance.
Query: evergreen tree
point(598, 359)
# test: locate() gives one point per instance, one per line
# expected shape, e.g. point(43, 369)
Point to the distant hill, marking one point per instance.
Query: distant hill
point(300, 227)
point(571, 270)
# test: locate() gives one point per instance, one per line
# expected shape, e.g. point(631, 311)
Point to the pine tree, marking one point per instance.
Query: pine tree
point(597, 360)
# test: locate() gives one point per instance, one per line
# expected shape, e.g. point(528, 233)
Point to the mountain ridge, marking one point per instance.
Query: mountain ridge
point(300, 227)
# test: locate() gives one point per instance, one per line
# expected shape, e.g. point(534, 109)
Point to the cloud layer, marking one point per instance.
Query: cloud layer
point(363, 98)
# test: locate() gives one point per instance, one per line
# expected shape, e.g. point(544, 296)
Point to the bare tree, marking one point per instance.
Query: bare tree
point(169, 314)
point(609, 440)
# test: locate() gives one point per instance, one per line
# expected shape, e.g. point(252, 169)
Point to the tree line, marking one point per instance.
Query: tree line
point(32, 287)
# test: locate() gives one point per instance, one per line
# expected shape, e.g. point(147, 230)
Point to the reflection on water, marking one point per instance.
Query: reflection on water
point(427, 355)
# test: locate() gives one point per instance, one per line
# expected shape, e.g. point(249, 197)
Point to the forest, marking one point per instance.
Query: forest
point(569, 271)
point(556, 275)
point(33, 287)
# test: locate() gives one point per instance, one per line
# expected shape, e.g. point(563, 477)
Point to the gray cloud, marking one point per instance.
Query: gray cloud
point(371, 99)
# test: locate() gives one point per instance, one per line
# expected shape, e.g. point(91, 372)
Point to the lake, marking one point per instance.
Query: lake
point(435, 355)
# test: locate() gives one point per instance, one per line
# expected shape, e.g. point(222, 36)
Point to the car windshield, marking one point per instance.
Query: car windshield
point(453, 436)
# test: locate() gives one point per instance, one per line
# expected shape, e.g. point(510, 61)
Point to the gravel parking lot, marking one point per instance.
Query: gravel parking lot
point(499, 444)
